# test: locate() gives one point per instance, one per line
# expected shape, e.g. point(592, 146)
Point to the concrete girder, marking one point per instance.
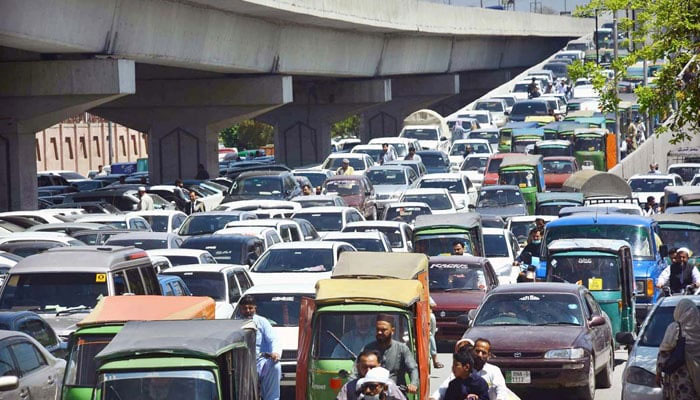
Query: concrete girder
point(183, 117)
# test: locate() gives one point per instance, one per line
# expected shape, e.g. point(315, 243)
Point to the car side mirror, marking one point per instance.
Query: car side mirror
point(251, 259)
point(368, 193)
point(472, 315)
point(506, 112)
point(597, 320)
point(626, 338)
point(443, 138)
point(663, 251)
point(8, 383)
point(463, 320)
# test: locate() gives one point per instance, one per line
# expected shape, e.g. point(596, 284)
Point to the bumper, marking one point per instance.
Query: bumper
point(640, 392)
point(547, 374)
point(289, 372)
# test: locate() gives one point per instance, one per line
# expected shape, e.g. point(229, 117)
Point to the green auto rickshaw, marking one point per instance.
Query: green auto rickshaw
point(553, 148)
point(434, 235)
point(605, 267)
point(597, 146)
point(680, 230)
point(524, 137)
point(506, 133)
point(526, 172)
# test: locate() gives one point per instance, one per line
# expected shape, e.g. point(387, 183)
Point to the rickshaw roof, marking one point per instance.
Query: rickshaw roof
point(547, 143)
point(596, 119)
point(399, 292)
point(118, 309)
point(520, 124)
point(528, 132)
point(539, 118)
point(462, 220)
point(559, 196)
point(465, 260)
point(193, 338)
point(569, 126)
point(521, 159)
point(423, 117)
point(580, 114)
point(594, 183)
point(589, 131)
point(380, 265)
point(606, 245)
point(693, 219)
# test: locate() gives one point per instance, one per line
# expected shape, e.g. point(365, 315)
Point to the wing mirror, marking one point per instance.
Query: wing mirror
point(597, 320)
point(8, 383)
point(626, 338)
point(663, 251)
point(463, 320)
point(443, 138)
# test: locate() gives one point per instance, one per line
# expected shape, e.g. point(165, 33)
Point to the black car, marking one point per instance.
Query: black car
point(228, 249)
point(85, 185)
point(268, 185)
point(203, 223)
point(123, 197)
point(26, 248)
point(34, 326)
point(526, 108)
point(436, 162)
point(240, 167)
point(91, 207)
point(501, 200)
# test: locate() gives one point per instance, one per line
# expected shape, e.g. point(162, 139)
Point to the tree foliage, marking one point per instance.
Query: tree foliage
point(249, 134)
point(350, 126)
point(666, 31)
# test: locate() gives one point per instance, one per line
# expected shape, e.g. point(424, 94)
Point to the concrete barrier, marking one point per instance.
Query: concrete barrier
point(653, 149)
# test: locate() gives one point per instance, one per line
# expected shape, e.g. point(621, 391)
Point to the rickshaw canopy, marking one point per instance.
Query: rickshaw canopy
point(118, 309)
point(458, 220)
point(548, 197)
point(552, 143)
point(399, 292)
point(361, 264)
point(594, 183)
point(518, 132)
point(590, 131)
point(693, 219)
point(513, 160)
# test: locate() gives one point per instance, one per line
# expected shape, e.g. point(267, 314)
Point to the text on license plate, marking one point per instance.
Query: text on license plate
point(517, 376)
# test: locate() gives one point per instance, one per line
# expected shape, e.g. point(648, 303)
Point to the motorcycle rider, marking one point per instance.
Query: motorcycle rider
point(679, 274)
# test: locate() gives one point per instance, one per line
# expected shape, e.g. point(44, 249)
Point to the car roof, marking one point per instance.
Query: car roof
point(92, 258)
point(204, 268)
point(310, 244)
point(538, 287)
point(444, 175)
point(105, 217)
point(46, 236)
point(405, 204)
point(465, 259)
point(395, 167)
point(266, 172)
point(306, 288)
point(494, 231)
point(367, 146)
point(158, 212)
point(483, 141)
point(212, 238)
point(532, 218)
point(601, 219)
point(498, 187)
point(177, 252)
point(322, 209)
point(425, 191)
point(652, 176)
point(438, 152)
point(672, 301)
point(378, 223)
point(136, 235)
point(347, 155)
point(345, 178)
point(339, 236)
point(317, 197)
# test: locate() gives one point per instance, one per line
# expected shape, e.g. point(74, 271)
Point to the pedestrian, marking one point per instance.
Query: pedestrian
point(433, 330)
point(267, 348)
point(549, 88)
point(412, 154)
point(202, 173)
point(385, 156)
point(193, 206)
point(627, 147)
point(683, 382)
point(101, 171)
point(306, 190)
point(182, 197)
point(122, 180)
point(680, 274)
point(367, 361)
point(457, 248)
point(466, 384)
point(632, 130)
point(145, 201)
point(532, 90)
point(394, 355)
point(559, 87)
point(650, 207)
point(345, 168)
point(540, 223)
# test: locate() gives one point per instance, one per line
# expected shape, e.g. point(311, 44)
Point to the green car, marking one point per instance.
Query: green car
point(605, 267)
point(434, 234)
point(196, 360)
point(525, 172)
point(680, 230)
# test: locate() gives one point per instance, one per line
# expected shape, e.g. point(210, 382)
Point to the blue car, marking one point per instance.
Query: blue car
point(34, 326)
point(640, 232)
point(173, 285)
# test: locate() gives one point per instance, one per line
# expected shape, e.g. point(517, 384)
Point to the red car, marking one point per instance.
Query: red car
point(356, 190)
point(458, 284)
point(557, 170)
point(491, 171)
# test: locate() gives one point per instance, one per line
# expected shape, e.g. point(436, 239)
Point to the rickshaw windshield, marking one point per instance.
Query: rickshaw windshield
point(637, 236)
point(354, 330)
point(562, 151)
point(435, 245)
point(517, 178)
point(682, 236)
point(589, 144)
point(185, 384)
point(594, 272)
point(446, 277)
point(520, 144)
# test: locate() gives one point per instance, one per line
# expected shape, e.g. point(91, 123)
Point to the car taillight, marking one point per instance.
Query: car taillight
point(137, 255)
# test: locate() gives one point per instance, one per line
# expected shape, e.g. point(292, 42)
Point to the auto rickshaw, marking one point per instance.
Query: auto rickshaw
point(549, 203)
point(553, 148)
point(107, 319)
point(597, 185)
point(541, 120)
point(523, 137)
point(596, 145)
point(565, 130)
point(336, 325)
point(433, 235)
point(605, 267)
point(675, 196)
point(526, 172)
point(680, 230)
point(504, 143)
point(197, 360)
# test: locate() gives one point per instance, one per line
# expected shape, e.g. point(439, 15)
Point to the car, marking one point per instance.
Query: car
point(305, 262)
point(347, 144)
point(399, 233)
point(280, 304)
point(645, 185)
point(356, 190)
point(287, 229)
point(66, 174)
point(69, 228)
point(315, 176)
point(172, 285)
point(163, 220)
point(90, 207)
point(482, 116)
point(359, 162)
point(687, 171)
point(401, 145)
point(510, 99)
point(98, 237)
point(268, 235)
point(639, 376)
point(374, 151)
point(28, 367)
point(584, 91)
point(503, 200)
point(405, 211)
point(461, 126)
point(557, 170)
point(227, 249)
point(502, 249)
point(146, 240)
point(435, 161)
point(416, 165)
point(208, 196)
point(225, 283)
point(123, 197)
point(183, 256)
point(362, 241)
point(498, 109)
point(473, 167)
point(695, 181)
point(320, 200)
point(25, 244)
point(564, 339)
point(45, 216)
point(329, 219)
point(429, 128)
point(526, 108)
point(491, 169)
point(439, 200)
point(204, 223)
point(522, 225)
point(555, 103)
point(259, 204)
point(389, 182)
point(131, 221)
point(33, 325)
point(463, 193)
point(267, 213)
point(478, 146)
point(84, 185)
point(492, 135)
point(521, 91)
point(268, 185)
point(559, 68)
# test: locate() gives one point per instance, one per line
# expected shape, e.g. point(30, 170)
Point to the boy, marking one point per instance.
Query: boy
point(467, 384)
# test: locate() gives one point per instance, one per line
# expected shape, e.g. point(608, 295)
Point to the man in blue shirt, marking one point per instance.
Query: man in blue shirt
point(269, 369)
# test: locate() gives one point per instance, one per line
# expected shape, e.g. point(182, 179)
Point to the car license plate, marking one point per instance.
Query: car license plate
point(517, 376)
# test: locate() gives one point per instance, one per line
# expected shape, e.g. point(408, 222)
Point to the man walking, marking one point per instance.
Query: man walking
point(193, 206)
point(385, 156)
point(145, 201)
point(412, 154)
point(267, 348)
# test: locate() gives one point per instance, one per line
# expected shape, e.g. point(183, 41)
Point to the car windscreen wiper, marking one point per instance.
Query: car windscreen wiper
point(559, 323)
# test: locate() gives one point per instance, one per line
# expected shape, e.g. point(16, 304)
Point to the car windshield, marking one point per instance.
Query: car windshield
point(477, 148)
point(499, 198)
point(295, 260)
point(492, 137)
point(681, 235)
point(637, 236)
point(594, 272)
point(530, 309)
point(420, 134)
point(521, 229)
point(198, 224)
point(586, 143)
point(227, 252)
point(447, 277)
point(432, 159)
point(354, 330)
point(365, 244)
point(334, 163)
point(496, 245)
point(650, 184)
point(437, 201)
point(316, 179)
point(81, 364)
point(558, 167)
point(474, 163)
point(520, 88)
point(28, 248)
point(442, 245)
point(655, 328)
point(154, 384)
point(509, 100)
point(452, 185)
point(324, 222)
point(47, 291)
point(210, 284)
point(392, 233)
point(493, 106)
point(686, 173)
point(552, 209)
point(401, 149)
point(344, 187)
point(405, 214)
point(482, 118)
point(523, 179)
point(114, 224)
point(259, 186)
point(374, 153)
point(387, 177)
point(159, 223)
point(149, 244)
point(281, 309)
point(494, 165)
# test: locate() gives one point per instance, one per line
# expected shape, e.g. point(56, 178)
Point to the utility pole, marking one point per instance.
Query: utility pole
point(109, 142)
point(597, 47)
point(617, 114)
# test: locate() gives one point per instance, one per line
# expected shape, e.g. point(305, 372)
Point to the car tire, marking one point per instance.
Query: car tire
point(588, 392)
point(604, 377)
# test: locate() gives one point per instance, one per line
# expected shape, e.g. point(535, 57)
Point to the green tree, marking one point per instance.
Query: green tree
point(249, 134)
point(229, 136)
point(350, 126)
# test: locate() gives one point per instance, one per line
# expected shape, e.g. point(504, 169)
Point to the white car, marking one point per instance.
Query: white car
point(473, 167)
point(482, 116)
point(584, 92)
point(280, 304)
point(374, 151)
point(269, 235)
point(163, 220)
point(60, 238)
point(646, 185)
point(329, 219)
point(362, 241)
point(479, 146)
point(400, 144)
point(320, 200)
point(258, 204)
point(555, 103)
point(399, 233)
point(183, 256)
point(520, 226)
point(358, 161)
point(430, 137)
point(47, 216)
point(345, 145)
point(502, 248)
point(520, 89)
point(510, 99)
point(225, 283)
point(695, 181)
point(303, 262)
point(685, 170)
point(210, 201)
point(273, 213)
point(439, 200)
point(498, 109)
point(287, 229)
point(463, 193)
point(131, 221)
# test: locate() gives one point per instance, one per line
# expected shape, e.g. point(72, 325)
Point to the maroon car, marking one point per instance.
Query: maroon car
point(558, 169)
point(457, 284)
point(356, 190)
point(546, 336)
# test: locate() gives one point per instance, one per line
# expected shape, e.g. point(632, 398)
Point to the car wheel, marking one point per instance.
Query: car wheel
point(604, 378)
point(588, 391)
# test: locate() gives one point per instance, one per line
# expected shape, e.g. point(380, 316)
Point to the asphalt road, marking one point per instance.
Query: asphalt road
point(438, 375)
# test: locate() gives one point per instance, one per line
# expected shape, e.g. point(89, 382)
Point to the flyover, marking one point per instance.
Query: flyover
point(182, 70)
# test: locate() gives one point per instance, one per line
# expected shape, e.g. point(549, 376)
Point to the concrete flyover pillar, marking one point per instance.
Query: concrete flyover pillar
point(37, 94)
point(183, 117)
point(408, 94)
point(302, 128)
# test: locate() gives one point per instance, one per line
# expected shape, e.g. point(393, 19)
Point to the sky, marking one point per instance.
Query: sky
point(521, 5)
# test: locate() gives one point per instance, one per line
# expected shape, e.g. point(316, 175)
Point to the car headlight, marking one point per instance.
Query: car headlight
point(640, 376)
point(644, 287)
point(570, 354)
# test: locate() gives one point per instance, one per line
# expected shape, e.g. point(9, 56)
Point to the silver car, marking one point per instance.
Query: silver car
point(390, 181)
point(639, 376)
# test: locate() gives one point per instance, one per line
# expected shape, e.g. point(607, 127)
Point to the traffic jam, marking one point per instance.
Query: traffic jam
point(495, 235)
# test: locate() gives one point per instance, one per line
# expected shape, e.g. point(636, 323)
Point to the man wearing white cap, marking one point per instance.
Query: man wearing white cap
point(680, 274)
point(367, 361)
point(345, 169)
point(375, 386)
point(145, 201)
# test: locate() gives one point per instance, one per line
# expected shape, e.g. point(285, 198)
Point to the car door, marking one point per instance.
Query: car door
point(39, 330)
point(8, 367)
point(234, 291)
point(37, 378)
point(598, 334)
